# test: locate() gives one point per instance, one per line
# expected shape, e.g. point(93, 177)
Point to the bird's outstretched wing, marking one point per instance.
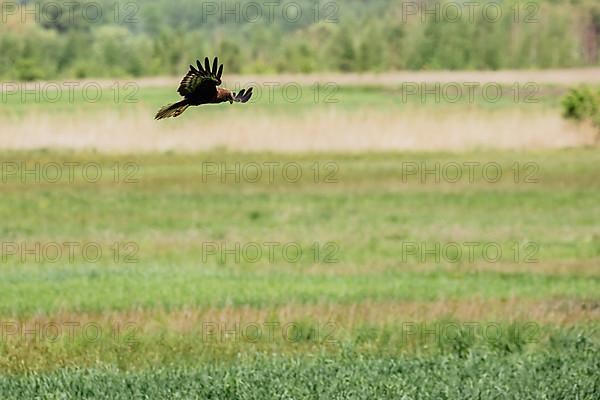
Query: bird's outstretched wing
point(243, 96)
point(203, 79)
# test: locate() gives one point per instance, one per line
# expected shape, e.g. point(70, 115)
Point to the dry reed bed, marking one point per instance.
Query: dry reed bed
point(327, 129)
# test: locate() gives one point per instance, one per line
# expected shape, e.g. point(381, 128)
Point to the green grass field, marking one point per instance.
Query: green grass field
point(353, 303)
point(293, 97)
point(228, 274)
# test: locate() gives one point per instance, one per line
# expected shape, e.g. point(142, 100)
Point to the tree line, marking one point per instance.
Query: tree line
point(48, 39)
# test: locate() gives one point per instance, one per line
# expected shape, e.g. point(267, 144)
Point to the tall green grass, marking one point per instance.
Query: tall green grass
point(567, 370)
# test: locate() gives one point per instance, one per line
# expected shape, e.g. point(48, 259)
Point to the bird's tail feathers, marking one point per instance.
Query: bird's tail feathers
point(172, 110)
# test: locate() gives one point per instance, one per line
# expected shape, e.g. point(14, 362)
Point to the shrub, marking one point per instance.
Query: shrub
point(583, 104)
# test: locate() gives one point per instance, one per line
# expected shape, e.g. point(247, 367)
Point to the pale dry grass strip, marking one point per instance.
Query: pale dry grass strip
point(558, 312)
point(326, 129)
point(565, 77)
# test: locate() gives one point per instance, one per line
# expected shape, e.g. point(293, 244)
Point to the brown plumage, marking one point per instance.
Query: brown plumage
point(200, 86)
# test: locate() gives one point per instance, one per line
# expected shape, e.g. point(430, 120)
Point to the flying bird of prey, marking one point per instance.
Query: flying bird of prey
point(200, 86)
